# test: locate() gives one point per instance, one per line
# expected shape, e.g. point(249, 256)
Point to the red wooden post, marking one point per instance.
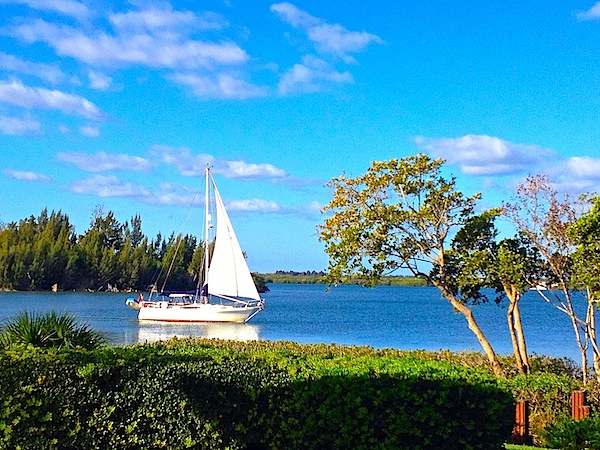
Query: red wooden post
point(521, 427)
point(578, 408)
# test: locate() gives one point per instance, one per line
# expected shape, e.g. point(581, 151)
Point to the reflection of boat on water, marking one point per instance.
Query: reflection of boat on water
point(151, 331)
point(228, 292)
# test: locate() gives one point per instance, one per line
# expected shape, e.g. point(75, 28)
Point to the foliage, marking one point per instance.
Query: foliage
point(260, 282)
point(313, 277)
point(402, 214)
point(571, 434)
point(38, 253)
point(49, 331)
point(548, 221)
point(217, 394)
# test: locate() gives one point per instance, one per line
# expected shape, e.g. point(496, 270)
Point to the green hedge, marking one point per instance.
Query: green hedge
point(221, 395)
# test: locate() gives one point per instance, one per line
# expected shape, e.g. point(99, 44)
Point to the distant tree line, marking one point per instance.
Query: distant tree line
point(319, 277)
point(39, 253)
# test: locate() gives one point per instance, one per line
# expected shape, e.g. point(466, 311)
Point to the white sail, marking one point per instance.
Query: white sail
point(228, 274)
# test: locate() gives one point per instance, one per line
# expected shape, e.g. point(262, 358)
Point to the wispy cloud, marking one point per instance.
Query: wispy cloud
point(221, 85)
point(584, 167)
point(484, 155)
point(153, 36)
point(27, 176)
point(107, 186)
point(99, 80)
point(328, 38)
point(331, 41)
point(14, 92)
point(253, 205)
point(190, 165)
point(311, 76)
point(167, 194)
point(577, 175)
point(69, 8)
point(591, 14)
point(19, 127)
point(155, 19)
point(110, 186)
point(89, 131)
point(168, 48)
point(48, 72)
point(103, 162)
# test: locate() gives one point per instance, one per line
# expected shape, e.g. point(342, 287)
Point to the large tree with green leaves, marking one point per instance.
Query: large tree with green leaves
point(402, 214)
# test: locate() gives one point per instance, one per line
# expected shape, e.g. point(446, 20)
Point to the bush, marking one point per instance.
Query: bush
point(48, 331)
point(570, 434)
point(216, 395)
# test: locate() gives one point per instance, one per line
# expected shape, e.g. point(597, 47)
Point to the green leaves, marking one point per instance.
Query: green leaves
point(49, 331)
point(211, 394)
point(397, 215)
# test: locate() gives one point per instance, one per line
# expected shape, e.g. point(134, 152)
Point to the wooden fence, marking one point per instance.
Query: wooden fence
point(521, 435)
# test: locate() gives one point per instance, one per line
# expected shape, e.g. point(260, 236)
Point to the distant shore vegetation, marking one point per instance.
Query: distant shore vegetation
point(318, 277)
point(45, 253)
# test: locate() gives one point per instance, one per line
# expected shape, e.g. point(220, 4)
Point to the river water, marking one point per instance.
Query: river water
point(382, 317)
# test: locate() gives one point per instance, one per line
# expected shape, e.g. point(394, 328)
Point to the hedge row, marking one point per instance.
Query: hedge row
point(221, 395)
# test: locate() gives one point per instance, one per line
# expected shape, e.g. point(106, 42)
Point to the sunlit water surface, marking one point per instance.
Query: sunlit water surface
point(383, 317)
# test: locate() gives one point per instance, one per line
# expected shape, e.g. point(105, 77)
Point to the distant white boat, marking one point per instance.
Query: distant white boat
point(228, 293)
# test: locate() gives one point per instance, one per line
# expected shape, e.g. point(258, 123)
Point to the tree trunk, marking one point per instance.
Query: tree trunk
point(591, 330)
point(510, 317)
point(521, 337)
point(515, 328)
point(474, 327)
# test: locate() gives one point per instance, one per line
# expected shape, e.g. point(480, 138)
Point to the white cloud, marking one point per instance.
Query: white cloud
point(584, 167)
point(19, 127)
point(253, 205)
point(241, 169)
point(99, 80)
point(27, 176)
point(194, 165)
point(103, 162)
point(484, 155)
point(107, 186)
point(165, 18)
point(89, 131)
point(591, 14)
point(47, 72)
point(220, 86)
point(111, 186)
point(329, 38)
point(14, 92)
point(166, 49)
point(311, 76)
point(66, 7)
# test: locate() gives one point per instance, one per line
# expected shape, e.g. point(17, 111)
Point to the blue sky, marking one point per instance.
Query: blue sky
point(120, 105)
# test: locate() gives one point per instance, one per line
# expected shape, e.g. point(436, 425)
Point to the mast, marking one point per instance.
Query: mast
point(206, 224)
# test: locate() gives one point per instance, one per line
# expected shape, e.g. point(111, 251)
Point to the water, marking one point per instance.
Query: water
point(383, 317)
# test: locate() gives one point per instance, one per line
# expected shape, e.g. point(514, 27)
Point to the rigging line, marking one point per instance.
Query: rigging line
point(185, 220)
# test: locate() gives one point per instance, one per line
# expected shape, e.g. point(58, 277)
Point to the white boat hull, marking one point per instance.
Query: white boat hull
point(193, 312)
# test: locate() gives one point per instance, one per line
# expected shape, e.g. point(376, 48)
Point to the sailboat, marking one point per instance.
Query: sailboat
point(228, 292)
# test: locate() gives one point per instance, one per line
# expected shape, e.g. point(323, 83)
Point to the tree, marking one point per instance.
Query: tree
point(539, 214)
point(400, 215)
point(585, 233)
point(517, 266)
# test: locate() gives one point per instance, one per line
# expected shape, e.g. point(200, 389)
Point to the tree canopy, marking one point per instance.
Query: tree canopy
point(38, 253)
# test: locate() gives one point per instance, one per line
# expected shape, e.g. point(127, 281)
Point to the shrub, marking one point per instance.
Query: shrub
point(216, 395)
point(47, 331)
point(570, 434)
